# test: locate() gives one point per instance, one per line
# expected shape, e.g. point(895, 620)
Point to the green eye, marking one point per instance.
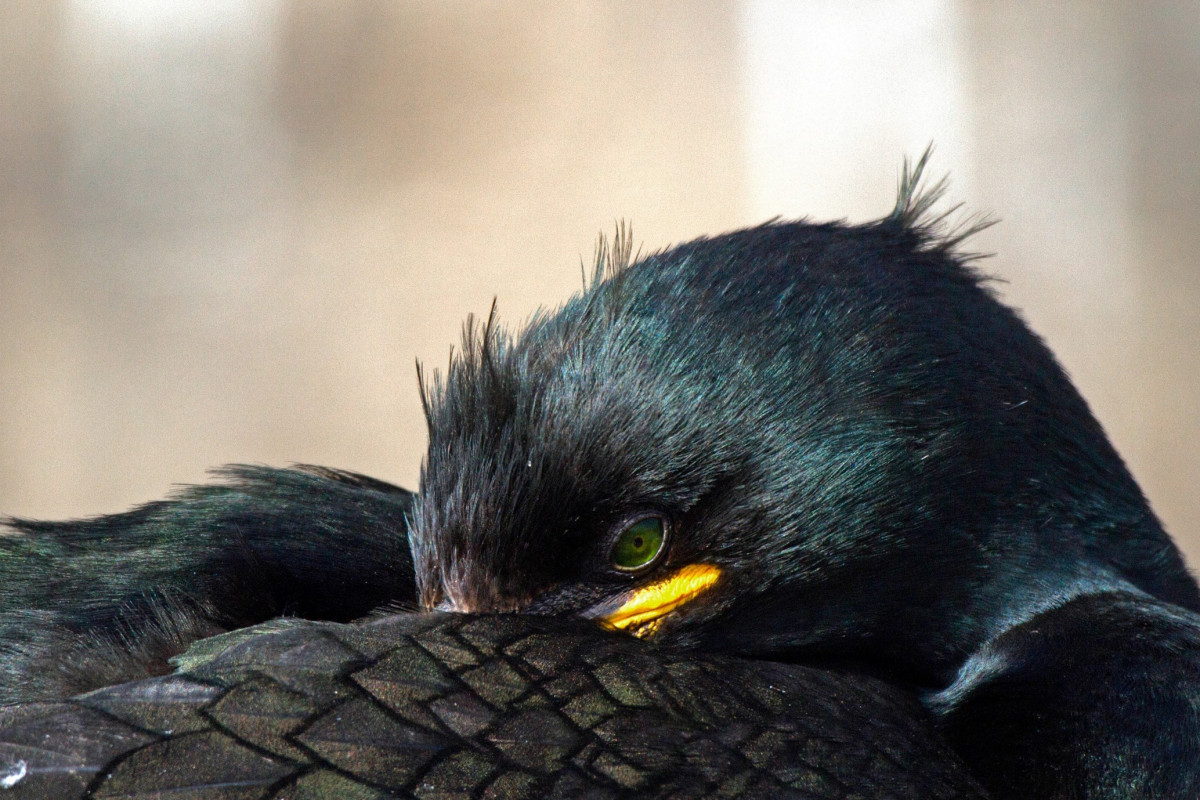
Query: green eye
point(639, 544)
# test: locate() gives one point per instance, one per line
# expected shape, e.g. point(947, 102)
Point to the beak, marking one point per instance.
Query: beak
point(640, 610)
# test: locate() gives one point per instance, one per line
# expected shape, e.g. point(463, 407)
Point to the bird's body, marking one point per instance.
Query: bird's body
point(455, 706)
point(798, 447)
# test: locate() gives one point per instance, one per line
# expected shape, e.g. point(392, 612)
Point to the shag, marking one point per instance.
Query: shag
point(800, 510)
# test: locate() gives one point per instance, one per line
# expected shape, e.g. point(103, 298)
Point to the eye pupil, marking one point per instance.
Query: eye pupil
point(639, 543)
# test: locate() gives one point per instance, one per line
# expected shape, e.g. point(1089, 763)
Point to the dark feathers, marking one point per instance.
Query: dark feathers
point(907, 520)
point(93, 602)
point(825, 411)
point(1097, 697)
point(451, 706)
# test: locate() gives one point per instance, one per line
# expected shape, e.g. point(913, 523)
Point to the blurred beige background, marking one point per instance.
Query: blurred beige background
point(227, 229)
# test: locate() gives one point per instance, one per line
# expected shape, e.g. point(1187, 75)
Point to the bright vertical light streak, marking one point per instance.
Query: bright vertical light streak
point(158, 18)
point(837, 91)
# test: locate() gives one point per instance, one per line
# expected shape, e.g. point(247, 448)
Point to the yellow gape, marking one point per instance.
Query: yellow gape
point(646, 607)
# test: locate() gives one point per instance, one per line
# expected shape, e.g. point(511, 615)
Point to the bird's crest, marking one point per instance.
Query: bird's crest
point(612, 256)
point(914, 211)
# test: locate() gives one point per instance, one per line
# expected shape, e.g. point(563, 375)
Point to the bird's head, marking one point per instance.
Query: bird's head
point(792, 438)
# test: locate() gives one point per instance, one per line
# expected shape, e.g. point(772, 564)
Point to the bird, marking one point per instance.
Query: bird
point(817, 456)
point(454, 705)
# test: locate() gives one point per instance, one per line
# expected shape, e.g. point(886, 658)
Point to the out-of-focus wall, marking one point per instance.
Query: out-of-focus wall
point(227, 229)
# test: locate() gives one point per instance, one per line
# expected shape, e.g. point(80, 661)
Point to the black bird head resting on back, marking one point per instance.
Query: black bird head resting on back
point(795, 439)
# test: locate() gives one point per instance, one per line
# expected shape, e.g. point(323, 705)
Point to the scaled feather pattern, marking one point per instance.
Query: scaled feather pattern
point(926, 572)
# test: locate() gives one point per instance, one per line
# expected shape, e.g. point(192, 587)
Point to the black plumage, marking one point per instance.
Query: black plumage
point(91, 602)
point(798, 446)
point(450, 706)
